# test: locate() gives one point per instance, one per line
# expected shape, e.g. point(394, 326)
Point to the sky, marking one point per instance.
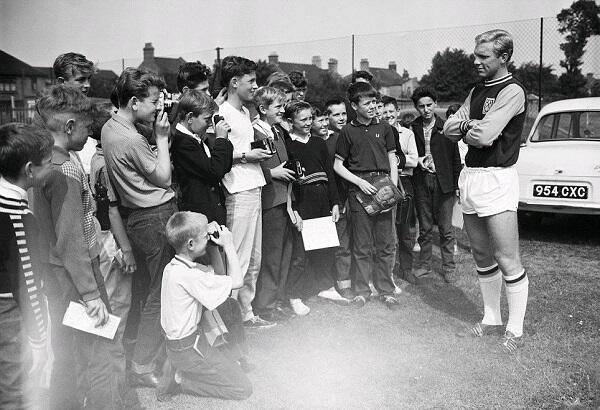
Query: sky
point(106, 31)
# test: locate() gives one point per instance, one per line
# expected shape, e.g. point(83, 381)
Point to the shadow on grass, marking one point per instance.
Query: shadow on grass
point(446, 298)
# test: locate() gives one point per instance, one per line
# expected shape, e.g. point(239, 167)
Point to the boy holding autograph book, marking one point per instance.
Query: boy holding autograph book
point(316, 196)
point(369, 150)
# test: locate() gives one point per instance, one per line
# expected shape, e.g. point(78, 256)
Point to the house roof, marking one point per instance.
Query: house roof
point(170, 65)
point(384, 77)
point(164, 64)
point(12, 66)
point(48, 71)
point(311, 71)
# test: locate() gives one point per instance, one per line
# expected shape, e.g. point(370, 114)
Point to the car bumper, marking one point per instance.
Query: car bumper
point(559, 208)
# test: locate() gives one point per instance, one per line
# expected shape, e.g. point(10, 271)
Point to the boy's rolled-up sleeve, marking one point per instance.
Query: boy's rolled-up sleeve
point(209, 289)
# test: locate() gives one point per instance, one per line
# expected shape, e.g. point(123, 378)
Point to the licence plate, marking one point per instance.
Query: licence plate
point(560, 191)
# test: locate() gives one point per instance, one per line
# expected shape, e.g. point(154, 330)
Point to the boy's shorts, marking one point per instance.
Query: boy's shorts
point(488, 191)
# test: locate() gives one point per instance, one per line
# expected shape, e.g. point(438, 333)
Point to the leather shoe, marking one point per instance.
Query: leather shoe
point(167, 385)
point(143, 380)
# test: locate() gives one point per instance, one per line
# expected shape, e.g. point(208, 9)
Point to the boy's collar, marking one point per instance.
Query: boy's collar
point(356, 123)
point(124, 121)
point(59, 155)
point(191, 264)
point(12, 191)
point(184, 130)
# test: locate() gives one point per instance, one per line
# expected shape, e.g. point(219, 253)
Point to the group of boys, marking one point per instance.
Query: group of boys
point(117, 242)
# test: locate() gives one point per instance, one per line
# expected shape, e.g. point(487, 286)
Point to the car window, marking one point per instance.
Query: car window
point(589, 125)
point(563, 126)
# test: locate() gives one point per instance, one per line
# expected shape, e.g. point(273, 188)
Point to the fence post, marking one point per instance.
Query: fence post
point(353, 57)
point(541, 64)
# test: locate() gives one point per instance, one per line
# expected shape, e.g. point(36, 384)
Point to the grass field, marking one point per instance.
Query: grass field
point(373, 358)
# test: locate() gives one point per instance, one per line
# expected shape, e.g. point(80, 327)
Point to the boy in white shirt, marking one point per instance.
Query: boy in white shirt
point(193, 364)
point(245, 180)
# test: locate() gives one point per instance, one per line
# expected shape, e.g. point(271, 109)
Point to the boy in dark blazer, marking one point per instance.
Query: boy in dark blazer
point(436, 183)
point(199, 169)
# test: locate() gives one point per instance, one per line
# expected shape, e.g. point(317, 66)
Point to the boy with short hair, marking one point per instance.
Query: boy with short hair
point(406, 230)
point(193, 76)
point(198, 167)
point(300, 84)
point(141, 177)
point(74, 69)
point(436, 183)
point(284, 86)
point(245, 180)
point(337, 115)
point(25, 154)
point(276, 226)
point(369, 148)
point(64, 206)
point(188, 289)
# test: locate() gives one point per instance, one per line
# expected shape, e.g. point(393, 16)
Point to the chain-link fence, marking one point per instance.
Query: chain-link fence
point(397, 60)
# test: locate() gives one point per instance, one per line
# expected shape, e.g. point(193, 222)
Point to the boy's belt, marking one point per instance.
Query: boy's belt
point(184, 343)
point(362, 174)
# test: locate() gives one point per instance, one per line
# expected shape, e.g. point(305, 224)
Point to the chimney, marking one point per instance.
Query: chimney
point(333, 65)
point(392, 65)
point(364, 64)
point(316, 61)
point(273, 58)
point(148, 53)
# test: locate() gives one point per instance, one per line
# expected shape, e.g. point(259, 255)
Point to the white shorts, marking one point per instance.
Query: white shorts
point(488, 191)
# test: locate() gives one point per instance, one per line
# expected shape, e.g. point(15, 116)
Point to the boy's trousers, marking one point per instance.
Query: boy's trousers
point(276, 256)
point(373, 243)
point(244, 218)
point(146, 232)
point(213, 371)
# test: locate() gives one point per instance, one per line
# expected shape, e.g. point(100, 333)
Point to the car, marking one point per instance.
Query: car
point(559, 162)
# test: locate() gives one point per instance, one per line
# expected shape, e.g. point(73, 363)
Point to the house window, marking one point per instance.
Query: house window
point(8, 86)
point(34, 84)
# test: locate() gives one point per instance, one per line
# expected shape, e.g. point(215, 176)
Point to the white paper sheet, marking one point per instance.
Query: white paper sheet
point(319, 233)
point(76, 318)
point(457, 215)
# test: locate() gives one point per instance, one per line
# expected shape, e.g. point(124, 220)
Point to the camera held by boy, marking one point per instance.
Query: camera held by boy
point(197, 363)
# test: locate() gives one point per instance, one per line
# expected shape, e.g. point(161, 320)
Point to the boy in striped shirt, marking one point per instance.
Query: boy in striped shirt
point(25, 154)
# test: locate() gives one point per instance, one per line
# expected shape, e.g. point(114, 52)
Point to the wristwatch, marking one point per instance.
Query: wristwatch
point(243, 160)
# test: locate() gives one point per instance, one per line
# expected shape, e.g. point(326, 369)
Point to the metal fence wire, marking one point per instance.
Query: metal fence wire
point(398, 60)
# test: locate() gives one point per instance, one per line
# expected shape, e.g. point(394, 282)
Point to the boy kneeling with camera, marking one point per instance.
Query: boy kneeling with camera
point(206, 360)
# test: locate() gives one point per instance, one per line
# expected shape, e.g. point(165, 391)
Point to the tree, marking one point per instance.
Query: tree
point(263, 71)
point(327, 86)
point(101, 87)
point(578, 22)
point(528, 74)
point(452, 74)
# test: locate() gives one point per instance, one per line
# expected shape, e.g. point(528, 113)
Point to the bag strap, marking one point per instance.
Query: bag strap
point(401, 187)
